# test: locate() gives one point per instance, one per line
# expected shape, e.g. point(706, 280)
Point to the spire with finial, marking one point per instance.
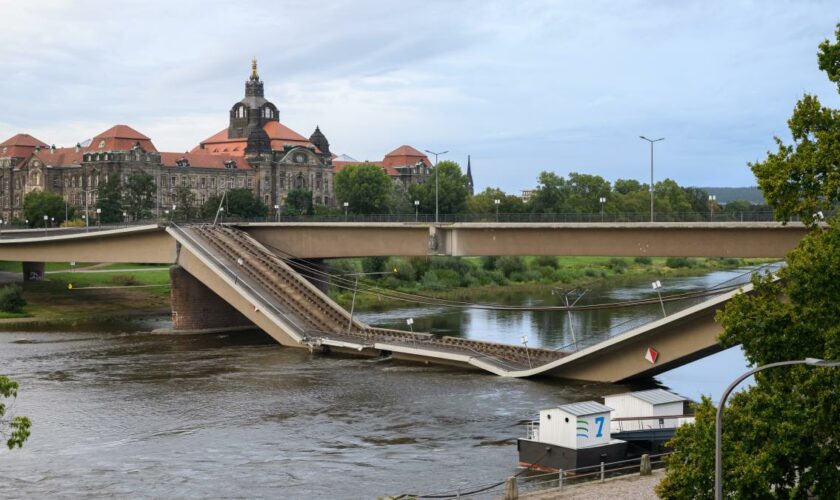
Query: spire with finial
point(470, 187)
point(254, 75)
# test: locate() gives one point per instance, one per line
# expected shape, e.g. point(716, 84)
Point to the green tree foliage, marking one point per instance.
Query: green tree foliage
point(186, 207)
point(37, 204)
point(802, 178)
point(452, 190)
point(139, 196)
point(109, 196)
point(485, 202)
point(241, 202)
point(15, 429)
point(298, 202)
point(550, 195)
point(366, 188)
point(11, 299)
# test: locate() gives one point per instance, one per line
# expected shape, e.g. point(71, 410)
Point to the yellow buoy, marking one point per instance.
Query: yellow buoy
point(69, 286)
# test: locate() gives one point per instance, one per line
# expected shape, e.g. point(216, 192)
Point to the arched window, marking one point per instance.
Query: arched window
point(240, 112)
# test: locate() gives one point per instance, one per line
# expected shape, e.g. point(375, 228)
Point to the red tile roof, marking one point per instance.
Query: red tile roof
point(203, 160)
point(280, 135)
point(20, 145)
point(405, 155)
point(120, 138)
point(60, 157)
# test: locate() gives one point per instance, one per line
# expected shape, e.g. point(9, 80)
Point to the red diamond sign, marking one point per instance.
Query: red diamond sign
point(651, 355)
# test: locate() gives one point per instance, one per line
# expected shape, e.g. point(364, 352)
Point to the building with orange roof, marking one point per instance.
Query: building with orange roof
point(255, 151)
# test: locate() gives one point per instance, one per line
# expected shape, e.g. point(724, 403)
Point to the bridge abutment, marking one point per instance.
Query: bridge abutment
point(196, 307)
point(33, 271)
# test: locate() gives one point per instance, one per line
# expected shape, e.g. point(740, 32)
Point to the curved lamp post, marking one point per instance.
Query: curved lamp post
point(719, 417)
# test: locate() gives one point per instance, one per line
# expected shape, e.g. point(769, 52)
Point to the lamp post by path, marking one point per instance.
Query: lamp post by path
point(651, 141)
point(346, 207)
point(46, 218)
point(277, 212)
point(719, 416)
point(437, 183)
point(416, 210)
point(712, 199)
point(497, 202)
point(99, 218)
point(602, 200)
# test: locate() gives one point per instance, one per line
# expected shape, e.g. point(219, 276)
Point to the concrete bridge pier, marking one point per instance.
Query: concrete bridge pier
point(314, 270)
point(196, 307)
point(33, 271)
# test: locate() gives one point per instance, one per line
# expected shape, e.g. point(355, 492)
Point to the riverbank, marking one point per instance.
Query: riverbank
point(102, 295)
point(465, 277)
point(633, 486)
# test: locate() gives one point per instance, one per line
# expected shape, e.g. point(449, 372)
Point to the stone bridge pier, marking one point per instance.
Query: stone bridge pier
point(197, 308)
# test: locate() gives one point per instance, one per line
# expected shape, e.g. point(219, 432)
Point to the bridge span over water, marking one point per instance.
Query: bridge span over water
point(228, 274)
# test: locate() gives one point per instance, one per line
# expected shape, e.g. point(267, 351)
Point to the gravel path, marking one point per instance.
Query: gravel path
point(632, 487)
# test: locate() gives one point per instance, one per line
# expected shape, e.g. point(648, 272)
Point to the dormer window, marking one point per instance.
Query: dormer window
point(101, 143)
point(230, 164)
point(240, 112)
point(267, 112)
point(183, 162)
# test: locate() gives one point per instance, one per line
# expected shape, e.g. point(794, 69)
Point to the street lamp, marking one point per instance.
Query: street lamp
point(656, 286)
point(346, 207)
point(277, 212)
point(651, 141)
point(719, 417)
point(524, 340)
point(437, 219)
point(497, 202)
point(125, 217)
point(416, 210)
point(99, 217)
point(46, 218)
point(602, 200)
point(712, 199)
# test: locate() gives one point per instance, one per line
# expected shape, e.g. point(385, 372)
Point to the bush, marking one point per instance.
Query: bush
point(124, 280)
point(617, 264)
point(510, 264)
point(489, 263)
point(678, 262)
point(547, 261)
point(645, 261)
point(374, 264)
point(405, 271)
point(11, 299)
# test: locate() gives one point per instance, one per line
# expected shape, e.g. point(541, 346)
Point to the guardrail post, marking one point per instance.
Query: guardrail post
point(644, 466)
point(511, 489)
point(602, 472)
point(560, 479)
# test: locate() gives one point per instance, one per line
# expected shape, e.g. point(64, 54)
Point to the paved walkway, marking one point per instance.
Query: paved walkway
point(634, 487)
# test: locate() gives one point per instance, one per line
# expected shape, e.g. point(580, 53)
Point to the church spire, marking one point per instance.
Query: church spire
point(469, 177)
point(254, 75)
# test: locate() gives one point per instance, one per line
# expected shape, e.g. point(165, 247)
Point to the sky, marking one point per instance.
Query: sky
point(521, 86)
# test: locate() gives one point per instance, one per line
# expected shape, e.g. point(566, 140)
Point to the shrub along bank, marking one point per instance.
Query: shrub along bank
point(471, 276)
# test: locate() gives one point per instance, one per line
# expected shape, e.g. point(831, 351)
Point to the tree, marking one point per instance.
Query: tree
point(185, 204)
point(298, 202)
point(781, 435)
point(15, 429)
point(485, 202)
point(452, 190)
point(139, 196)
point(37, 204)
point(550, 195)
point(241, 202)
point(109, 199)
point(365, 187)
point(804, 177)
point(626, 186)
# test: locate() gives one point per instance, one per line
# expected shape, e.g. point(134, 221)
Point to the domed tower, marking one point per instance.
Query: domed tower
point(320, 141)
point(253, 110)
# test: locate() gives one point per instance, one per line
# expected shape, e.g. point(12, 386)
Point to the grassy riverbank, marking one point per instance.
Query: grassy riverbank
point(479, 279)
point(73, 298)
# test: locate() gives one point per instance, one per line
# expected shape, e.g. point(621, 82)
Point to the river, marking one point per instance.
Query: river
point(135, 414)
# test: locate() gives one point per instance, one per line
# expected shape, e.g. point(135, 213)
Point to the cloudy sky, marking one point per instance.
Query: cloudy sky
point(522, 86)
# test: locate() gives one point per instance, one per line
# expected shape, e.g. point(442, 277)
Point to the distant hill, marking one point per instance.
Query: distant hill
point(727, 194)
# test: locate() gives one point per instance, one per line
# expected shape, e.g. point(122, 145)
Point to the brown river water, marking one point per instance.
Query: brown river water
point(133, 414)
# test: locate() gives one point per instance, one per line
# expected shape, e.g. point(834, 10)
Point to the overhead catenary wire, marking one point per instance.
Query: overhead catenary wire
point(342, 283)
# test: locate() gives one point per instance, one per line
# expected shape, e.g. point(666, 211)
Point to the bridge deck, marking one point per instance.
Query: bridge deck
point(318, 321)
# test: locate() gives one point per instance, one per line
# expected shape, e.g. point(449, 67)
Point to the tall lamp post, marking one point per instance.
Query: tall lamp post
point(651, 141)
point(719, 416)
point(712, 199)
point(437, 219)
point(497, 202)
point(416, 210)
point(602, 200)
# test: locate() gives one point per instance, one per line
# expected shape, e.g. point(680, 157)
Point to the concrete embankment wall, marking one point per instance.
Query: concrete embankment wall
point(196, 307)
